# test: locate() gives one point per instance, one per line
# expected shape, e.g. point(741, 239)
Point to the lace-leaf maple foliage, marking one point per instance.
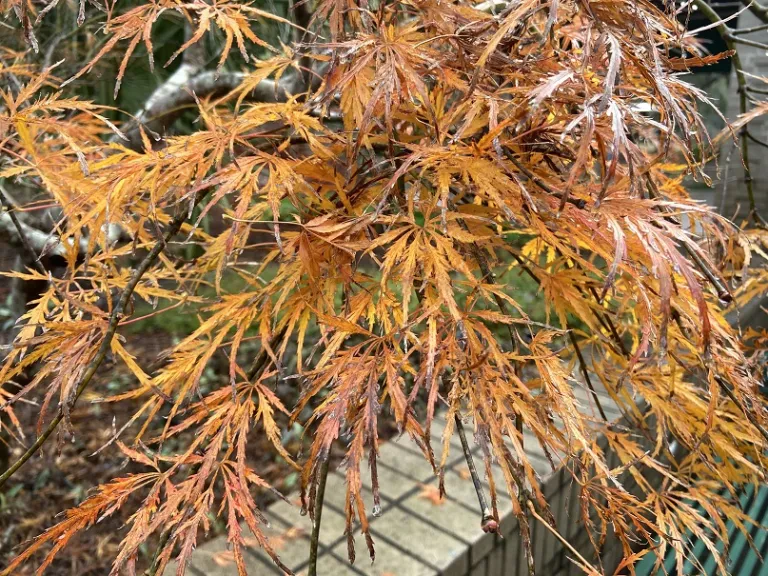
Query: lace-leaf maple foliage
point(394, 163)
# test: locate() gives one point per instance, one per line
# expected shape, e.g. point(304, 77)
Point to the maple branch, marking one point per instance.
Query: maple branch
point(33, 240)
point(155, 565)
point(757, 9)
point(318, 514)
point(487, 521)
point(744, 409)
point(189, 82)
point(101, 353)
point(722, 290)
point(564, 541)
point(181, 88)
point(753, 29)
point(728, 392)
point(257, 367)
point(541, 184)
point(585, 373)
point(302, 16)
point(731, 42)
point(10, 212)
point(607, 323)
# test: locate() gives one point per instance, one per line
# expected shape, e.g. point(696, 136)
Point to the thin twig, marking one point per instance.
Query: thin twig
point(585, 373)
point(757, 90)
point(164, 537)
point(556, 534)
point(750, 416)
point(258, 366)
point(9, 207)
point(724, 386)
point(757, 140)
point(487, 521)
point(757, 9)
point(722, 290)
point(114, 319)
point(319, 499)
point(740, 31)
point(605, 320)
point(749, 42)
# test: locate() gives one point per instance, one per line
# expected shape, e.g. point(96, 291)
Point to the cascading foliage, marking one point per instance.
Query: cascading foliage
point(393, 167)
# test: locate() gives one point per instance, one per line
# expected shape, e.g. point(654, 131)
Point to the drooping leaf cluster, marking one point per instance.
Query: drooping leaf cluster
point(394, 169)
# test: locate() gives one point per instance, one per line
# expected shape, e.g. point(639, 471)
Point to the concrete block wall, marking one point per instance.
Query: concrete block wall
point(729, 195)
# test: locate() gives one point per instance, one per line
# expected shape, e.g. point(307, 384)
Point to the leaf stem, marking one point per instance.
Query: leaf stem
point(579, 355)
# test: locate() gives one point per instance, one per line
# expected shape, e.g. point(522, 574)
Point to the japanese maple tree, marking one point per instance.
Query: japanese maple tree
point(394, 165)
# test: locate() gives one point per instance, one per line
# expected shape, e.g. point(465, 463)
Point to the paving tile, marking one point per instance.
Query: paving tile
point(436, 440)
point(332, 523)
point(293, 551)
point(291, 543)
point(587, 401)
point(461, 521)
point(400, 468)
point(390, 561)
point(537, 456)
point(416, 534)
point(330, 565)
point(459, 487)
point(217, 559)
point(423, 540)
point(437, 429)
point(336, 494)
point(508, 522)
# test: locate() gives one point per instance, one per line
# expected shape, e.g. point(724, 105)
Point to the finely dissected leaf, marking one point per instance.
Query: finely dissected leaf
point(413, 207)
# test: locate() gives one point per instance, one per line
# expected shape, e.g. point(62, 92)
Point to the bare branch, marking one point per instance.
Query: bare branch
point(39, 242)
point(757, 9)
point(10, 213)
point(180, 90)
point(487, 521)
